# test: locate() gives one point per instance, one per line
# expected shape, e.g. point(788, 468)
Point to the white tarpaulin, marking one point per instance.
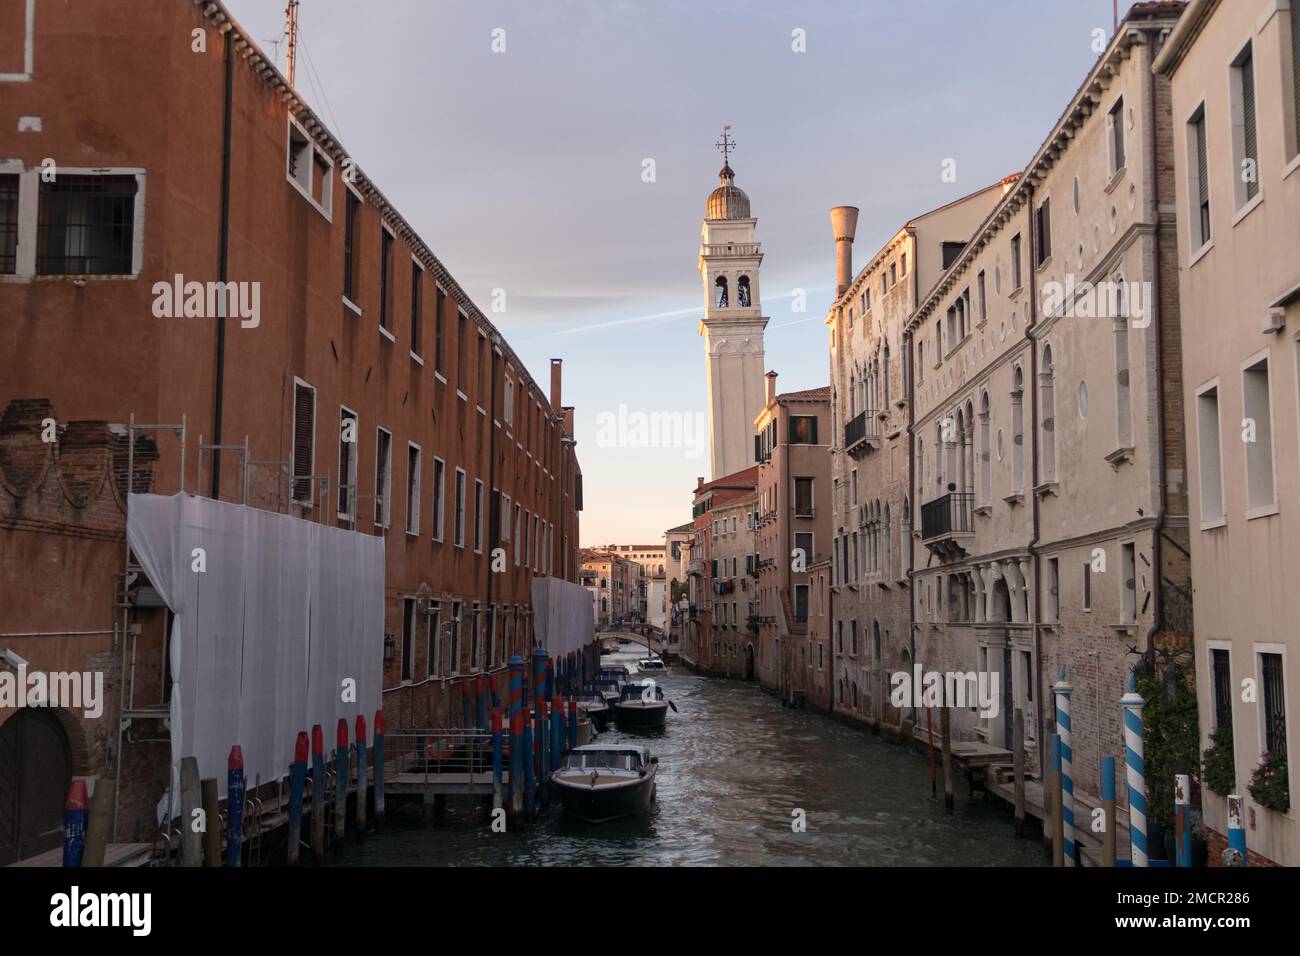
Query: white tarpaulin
point(281, 614)
point(562, 618)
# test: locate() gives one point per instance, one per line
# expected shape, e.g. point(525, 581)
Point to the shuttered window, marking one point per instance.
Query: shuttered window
point(347, 462)
point(304, 431)
point(416, 275)
point(1250, 138)
point(1201, 212)
point(350, 245)
point(385, 274)
point(1044, 225)
point(383, 475)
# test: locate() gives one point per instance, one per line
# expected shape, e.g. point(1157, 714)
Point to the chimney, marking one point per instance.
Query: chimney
point(844, 223)
point(556, 366)
point(567, 410)
point(771, 387)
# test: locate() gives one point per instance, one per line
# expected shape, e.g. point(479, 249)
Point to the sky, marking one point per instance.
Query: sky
point(556, 156)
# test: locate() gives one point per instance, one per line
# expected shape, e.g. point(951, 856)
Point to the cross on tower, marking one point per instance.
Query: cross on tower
point(726, 144)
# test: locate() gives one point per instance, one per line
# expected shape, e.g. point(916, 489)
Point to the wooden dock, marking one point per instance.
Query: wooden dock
point(116, 854)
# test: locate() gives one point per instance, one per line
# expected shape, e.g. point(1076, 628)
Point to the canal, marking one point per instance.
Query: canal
point(733, 766)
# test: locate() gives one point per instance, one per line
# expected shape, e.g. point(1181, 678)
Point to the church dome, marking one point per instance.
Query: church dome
point(728, 201)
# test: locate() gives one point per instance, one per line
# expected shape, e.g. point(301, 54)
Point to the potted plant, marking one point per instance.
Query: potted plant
point(1268, 784)
point(1219, 771)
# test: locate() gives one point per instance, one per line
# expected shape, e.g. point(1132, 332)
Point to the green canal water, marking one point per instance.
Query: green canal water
point(733, 765)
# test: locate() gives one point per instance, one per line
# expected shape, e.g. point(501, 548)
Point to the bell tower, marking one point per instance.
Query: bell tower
point(733, 321)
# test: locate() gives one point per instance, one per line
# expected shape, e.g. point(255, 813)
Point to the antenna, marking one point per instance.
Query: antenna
point(291, 28)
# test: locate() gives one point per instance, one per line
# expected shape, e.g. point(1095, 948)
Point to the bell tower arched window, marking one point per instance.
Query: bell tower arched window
point(742, 292)
point(720, 289)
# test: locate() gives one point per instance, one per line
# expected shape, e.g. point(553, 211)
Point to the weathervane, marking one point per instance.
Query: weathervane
point(726, 144)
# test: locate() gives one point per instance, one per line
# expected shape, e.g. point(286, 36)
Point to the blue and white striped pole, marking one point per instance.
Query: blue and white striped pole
point(1132, 704)
point(1062, 691)
point(1236, 832)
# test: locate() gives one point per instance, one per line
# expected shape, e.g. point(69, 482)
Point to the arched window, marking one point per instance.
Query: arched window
point(742, 292)
point(905, 540)
point(888, 537)
point(1123, 402)
point(1017, 432)
point(720, 285)
point(1047, 380)
point(968, 452)
point(886, 375)
point(986, 452)
point(855, 695)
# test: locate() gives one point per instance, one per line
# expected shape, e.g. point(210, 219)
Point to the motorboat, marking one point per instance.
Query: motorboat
point(641, 708)
point(653, 665)
point(607, 688)
point(597, 709)
point(601, 782)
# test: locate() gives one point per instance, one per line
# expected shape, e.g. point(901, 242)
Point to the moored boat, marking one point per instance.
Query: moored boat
point(603, 782)
point(641, 708)
point(597, 709)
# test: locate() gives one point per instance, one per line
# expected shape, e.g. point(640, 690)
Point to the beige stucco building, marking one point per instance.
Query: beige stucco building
point(1234, 68)
point(1047, 434)
point(871, 520)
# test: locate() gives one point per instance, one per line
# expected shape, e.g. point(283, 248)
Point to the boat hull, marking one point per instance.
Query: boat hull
point(601, 804)
point(641, 718)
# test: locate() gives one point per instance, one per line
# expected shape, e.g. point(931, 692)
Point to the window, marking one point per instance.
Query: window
point(385, 275)
point(1274, 703)
point(801, 604)
point(986, 453)
point(439, 499)
point(383, 475)
point(519, 532)
point(459, 528)
point(984, 303)
point(1259, 451)
point(439, 326)
point(1210, 470)
point(416, 275)
point(462, 353)
point(803, 541)
point(478, 515)
point(1115, 126)
point(309, 169)
point(474, 645)
point(1047, 391)
point(433, 641)
point(1221, 686)
point(1245, 140)
point(455, 638)
point(508, 406)
point(408, 638)
point(1043, 228)
point(1015, 262)
point(1087, 586)
point(8, 224)
point(1123, 400)
point(1198, 186)
point(412, 488)
point(1128, 584)
point(1052, 609)
point(350, 216)
point(86, 226)
point(347, 463)
point(304, 441)
point(482, 395)
point(1017, 433)
point(803, 429)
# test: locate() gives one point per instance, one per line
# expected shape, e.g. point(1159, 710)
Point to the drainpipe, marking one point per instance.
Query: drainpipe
point(1033, 418)
point(223, 264)
point(1157, 573)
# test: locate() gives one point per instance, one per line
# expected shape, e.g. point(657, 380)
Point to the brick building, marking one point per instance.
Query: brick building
point(362, 386)
point(793, 529)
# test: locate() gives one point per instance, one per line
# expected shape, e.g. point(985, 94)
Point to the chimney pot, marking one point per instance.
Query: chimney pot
point(844, 224)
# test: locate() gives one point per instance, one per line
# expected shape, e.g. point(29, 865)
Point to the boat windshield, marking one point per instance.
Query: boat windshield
point(601, 759)
point(638, 692)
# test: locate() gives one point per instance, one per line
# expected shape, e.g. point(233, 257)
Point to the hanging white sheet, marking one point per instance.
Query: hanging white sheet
point(282, 614)
point(562, 616)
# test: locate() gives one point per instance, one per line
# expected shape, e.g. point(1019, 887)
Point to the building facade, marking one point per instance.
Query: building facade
point(871, 502)
point(793, 529)
point(1234, 69)
point(1047, 424)
point(351, 381)
point(614, 581)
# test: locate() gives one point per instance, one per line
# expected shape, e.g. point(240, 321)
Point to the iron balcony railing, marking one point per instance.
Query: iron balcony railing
point(951, 514)
point(864, 427)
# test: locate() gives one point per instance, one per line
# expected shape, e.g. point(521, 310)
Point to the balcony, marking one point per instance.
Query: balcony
point(696, 567)
point(947, 522)
point(862, 434)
